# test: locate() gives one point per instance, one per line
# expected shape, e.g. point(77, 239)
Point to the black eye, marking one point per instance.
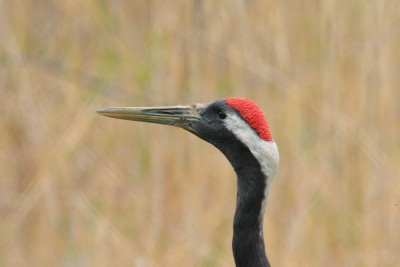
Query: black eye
point(221, 114)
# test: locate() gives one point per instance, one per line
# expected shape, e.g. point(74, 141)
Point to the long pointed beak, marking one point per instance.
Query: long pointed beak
point(180, 116)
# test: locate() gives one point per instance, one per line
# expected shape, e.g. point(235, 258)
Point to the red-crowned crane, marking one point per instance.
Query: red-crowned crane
point(238, 128)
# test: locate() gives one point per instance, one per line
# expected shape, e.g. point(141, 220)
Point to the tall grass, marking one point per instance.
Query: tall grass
point(77, 189)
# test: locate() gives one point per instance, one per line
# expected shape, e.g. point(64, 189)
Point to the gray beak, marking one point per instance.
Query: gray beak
point(179, 116)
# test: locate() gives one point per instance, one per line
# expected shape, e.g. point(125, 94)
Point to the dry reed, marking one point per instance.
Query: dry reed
point(77, 189)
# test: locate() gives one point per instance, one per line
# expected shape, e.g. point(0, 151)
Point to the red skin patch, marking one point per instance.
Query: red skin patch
point(252, 114)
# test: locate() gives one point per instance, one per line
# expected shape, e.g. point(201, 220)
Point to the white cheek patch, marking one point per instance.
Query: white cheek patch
point(266, 152)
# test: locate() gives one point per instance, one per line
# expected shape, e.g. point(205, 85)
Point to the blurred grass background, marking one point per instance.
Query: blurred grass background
point(78, 189)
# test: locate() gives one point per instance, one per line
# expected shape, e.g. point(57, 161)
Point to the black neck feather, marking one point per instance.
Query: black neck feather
point(248, 242)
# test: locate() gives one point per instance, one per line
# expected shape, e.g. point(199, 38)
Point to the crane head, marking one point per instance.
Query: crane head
point(232, 125)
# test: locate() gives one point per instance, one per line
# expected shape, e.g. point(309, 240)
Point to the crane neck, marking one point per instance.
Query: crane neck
point(248, 239)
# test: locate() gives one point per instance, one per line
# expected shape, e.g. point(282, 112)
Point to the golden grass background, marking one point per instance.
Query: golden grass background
point(78, 189)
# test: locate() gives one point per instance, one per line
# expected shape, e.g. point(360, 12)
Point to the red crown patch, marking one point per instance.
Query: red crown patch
point(252, 114)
